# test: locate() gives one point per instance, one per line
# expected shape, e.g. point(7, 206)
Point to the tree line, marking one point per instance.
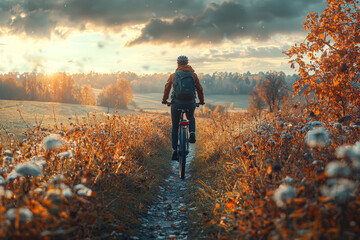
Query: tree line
point(61, 87)
point(216, 83)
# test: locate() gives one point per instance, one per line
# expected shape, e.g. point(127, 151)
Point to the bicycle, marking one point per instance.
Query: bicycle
point(183, 140)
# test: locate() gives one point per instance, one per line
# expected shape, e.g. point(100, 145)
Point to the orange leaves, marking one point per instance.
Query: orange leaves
point(269, 170)
point(332, 33)
point(230, 205)
point(216, 208)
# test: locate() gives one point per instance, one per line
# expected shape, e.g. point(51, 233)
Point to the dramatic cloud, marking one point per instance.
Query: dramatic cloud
point(255, 19)
point(166, 21)
point(41, 18)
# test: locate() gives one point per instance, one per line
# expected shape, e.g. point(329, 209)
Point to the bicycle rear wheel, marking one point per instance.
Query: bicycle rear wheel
point(183, 150)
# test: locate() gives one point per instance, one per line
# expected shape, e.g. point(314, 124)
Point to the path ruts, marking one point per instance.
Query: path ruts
point(167, 217)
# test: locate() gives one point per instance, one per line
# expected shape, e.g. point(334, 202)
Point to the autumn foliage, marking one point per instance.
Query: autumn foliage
point(328, 60)
point(283, 177)
point(86, 181)
point(57, 87)
point(117, 95)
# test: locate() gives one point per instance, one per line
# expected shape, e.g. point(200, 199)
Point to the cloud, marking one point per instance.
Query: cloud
point(40, 18)
point(233, 54)
point(166, 21)
point(229, 20)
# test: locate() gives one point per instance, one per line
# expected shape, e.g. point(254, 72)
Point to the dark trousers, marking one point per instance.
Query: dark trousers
point(175, 118)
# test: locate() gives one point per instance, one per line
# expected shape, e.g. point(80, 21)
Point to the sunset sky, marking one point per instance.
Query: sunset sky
point(146, 36)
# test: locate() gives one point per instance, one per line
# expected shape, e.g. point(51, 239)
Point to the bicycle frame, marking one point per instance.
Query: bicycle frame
point(183, 140)
point(183, 143)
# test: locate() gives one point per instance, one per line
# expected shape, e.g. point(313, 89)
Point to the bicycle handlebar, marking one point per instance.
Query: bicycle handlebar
point(169, 104)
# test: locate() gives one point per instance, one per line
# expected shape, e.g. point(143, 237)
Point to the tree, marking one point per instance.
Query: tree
point(87, 96)
point(328, 60)
point(117, 95)
point(256, 104)
point(272, 89)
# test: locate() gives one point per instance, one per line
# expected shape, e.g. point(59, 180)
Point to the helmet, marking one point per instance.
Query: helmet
point(182, 60)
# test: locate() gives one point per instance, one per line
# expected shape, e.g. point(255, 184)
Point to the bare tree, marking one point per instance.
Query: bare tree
point(272, 89)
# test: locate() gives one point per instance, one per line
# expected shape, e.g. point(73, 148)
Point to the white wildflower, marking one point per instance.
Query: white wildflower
point(38, 190)
point(67, 154)
point(352, 152)
point(3, 170)
point(287, 180)
point(343, 151)
point(248, 143)
point(337, 169)
point(79, 186)
point(28, 169)
point(313, 125)
point(6, 193)
point(8, 160)
point(339, 189)
point(55, 193)
point(53, 142)
point(8, 153)
point(56, 179)
point(39, 161)
point(317, 138)
point(85, 192)
point(282, 194)
point(12, 176)
point(24, 213)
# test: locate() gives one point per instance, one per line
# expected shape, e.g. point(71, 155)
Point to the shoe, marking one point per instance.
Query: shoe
point(175, 156)
point(192, 138)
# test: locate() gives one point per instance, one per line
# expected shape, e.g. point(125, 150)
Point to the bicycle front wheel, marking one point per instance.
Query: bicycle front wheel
point(182, 157)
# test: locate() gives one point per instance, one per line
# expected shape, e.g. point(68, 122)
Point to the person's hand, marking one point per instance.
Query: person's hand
point(202, 103)
point(164, 102)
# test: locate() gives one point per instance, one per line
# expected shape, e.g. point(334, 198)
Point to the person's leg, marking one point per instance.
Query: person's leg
point(190, 117)
point(175, 118)
point(192, 124)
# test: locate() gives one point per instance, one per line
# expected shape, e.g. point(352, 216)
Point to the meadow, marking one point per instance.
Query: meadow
point(35, 112)
point(89, 179)
point(286, 176)
point(283, 176)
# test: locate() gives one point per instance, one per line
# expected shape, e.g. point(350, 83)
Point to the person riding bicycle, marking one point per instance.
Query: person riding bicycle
point(184, 83)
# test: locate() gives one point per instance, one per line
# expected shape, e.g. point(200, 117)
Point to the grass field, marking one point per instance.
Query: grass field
point(151, 101)
point(34, 112)
point(50, 113)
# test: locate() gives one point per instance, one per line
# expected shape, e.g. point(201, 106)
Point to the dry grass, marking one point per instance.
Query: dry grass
point(120, 162)
point(241, 163)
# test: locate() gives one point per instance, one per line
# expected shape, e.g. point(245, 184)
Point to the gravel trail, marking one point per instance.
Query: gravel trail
point(167, 217)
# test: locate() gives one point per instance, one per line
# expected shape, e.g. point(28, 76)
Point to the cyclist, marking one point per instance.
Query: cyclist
point(184, 82)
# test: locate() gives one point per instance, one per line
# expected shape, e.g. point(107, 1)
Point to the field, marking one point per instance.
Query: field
point(33, 111)
point(97, 175)
point(45, 112)
point(151, 101)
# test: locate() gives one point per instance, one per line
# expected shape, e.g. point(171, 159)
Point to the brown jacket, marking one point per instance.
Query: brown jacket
point(170, 82)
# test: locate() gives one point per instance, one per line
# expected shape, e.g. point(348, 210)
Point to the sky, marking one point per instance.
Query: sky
point(147, 36)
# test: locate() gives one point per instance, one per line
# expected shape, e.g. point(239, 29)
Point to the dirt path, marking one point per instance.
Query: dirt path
point(167, 217)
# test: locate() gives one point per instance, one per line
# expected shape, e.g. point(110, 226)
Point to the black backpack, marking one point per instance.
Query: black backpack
point(184, 86)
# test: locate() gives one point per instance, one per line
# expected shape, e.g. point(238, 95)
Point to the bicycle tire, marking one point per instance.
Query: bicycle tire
point(182, 157)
